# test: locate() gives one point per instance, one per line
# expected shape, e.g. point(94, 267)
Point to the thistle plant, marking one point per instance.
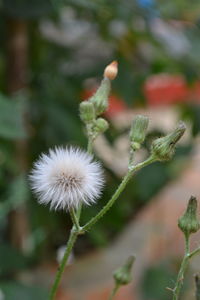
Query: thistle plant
point(188, 224)
point(67, 178)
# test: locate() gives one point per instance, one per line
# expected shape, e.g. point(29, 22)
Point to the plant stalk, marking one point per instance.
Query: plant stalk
point(114, 291)
point(181, 273)
point(117, 193)
point(75, 218)
point(70, 244)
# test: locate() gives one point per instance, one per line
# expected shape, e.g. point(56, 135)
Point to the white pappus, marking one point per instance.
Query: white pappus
point(66, 177)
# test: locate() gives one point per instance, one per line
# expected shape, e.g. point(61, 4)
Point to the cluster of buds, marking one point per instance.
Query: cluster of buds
point(163, 148)
point(91, 109)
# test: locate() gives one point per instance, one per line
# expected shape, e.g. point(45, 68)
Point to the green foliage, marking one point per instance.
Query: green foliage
point(11, 260)
point(11, 118)
point(155, 281)
point(27, 9)
point(17, 194)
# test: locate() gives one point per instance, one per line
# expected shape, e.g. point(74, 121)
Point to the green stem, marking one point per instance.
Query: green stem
point(90, 145)
point(117, 193)
point(89, 150)
point(181, 273)
point(196, 251)
point(70, 244)
point(75, 218)
point(114, 291)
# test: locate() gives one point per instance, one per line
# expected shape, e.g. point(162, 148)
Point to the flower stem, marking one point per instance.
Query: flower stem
point(196, 251)
point(75, 218)
point(70, 244)
point(89, 150)
point(76, 230)
point(181, 273)
point(90, 145)
point(114, 291)
point(117, 193)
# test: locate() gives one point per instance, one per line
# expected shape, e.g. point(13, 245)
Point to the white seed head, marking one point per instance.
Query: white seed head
point(66, 177)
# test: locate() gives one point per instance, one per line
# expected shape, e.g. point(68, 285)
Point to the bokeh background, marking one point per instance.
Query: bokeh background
point(52, 56)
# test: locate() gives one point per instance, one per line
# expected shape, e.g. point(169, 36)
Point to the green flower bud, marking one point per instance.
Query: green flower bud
point(164, 148)
point(189, 223)
point(87, 112)
point(100, 98)
point(122, 276)
point(138, 131)
point(101, 125)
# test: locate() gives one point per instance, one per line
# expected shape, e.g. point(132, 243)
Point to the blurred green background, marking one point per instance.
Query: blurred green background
point(48, 51)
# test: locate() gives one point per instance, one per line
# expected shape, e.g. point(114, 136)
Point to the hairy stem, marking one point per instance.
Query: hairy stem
point(181, 273)
point(117, 193)
point(196, 251)
point(90, 145)
point(70, 244)
point(114, 291)
point(89, 150)
point(75, 218)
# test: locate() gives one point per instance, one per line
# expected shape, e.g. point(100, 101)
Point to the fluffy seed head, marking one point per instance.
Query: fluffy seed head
point(65, 177)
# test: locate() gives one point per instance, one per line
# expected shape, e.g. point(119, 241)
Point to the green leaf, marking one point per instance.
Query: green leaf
point(11, 118)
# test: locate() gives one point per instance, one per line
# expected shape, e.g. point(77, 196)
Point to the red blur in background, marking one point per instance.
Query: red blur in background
point(159, 90)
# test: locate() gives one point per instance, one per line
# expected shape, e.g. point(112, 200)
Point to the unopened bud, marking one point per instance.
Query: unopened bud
point(122, 276)
point(189, 222)
point(100, 98)
point(87, 112)
point(101, 125)
point(138, 131)
point(111, 70)
point(164, 148)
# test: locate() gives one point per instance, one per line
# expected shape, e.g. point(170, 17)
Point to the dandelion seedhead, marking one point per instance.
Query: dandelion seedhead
point(66, 177)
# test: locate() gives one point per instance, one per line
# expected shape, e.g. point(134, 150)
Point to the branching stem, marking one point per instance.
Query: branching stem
point(119, 190)
point(188, 255)
point(70, 244)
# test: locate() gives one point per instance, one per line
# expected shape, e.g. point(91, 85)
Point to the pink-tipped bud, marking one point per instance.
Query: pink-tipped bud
point(111, 70)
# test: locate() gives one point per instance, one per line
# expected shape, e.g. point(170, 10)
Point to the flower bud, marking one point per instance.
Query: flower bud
point(138, 131)
point(111, 70)
point(189, 223)
point(100, 98)
point(101, 125)
point(163, 148)
point(87, 112)
point(122, 276)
